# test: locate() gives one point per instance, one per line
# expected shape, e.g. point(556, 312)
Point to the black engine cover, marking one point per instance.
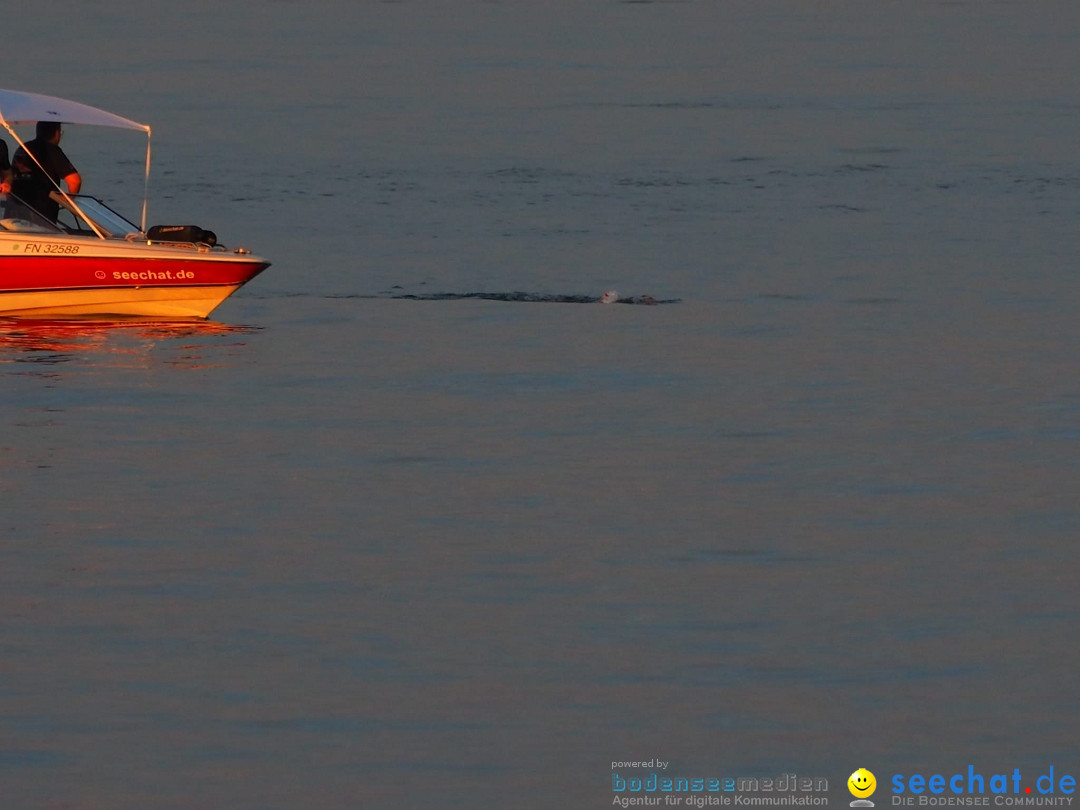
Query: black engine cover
point(181, 233)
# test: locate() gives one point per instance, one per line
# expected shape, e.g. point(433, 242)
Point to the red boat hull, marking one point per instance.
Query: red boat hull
point(60, 277)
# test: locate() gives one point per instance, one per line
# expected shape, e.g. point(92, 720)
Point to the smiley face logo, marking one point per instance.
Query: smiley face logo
point(862, 783)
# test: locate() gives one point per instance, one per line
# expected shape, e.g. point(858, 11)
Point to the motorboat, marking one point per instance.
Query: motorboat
point(90, 260)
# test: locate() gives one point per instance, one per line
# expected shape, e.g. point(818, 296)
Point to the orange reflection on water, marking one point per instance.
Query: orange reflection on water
point(119, 342)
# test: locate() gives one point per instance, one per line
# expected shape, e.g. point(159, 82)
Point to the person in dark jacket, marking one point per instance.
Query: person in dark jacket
point(32, 185)
point(5, 168)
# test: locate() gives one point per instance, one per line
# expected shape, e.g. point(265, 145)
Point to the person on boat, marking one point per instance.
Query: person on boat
point(32, 185)
point(5, 168)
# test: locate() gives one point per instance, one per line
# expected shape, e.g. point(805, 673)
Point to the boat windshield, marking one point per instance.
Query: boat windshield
point(107, 220)
point(20, 217)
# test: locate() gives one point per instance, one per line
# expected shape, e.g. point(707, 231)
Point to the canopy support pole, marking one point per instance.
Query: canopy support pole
point(146, 182)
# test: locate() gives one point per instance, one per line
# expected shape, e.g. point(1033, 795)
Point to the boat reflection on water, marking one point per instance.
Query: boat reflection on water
point(126, 342)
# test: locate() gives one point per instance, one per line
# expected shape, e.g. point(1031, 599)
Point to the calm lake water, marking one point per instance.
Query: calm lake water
point(415, 522)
